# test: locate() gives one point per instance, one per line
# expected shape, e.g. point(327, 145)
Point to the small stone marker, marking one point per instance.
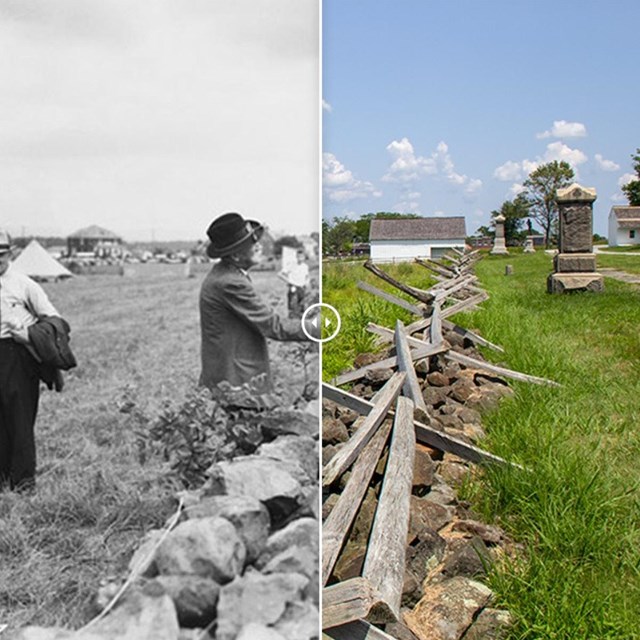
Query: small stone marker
point(499, 246)
point(575, 263)
point(508, 269)
point(528, 245)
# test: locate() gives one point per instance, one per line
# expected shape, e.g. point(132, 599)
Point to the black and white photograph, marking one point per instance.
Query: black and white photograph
point(159, 249)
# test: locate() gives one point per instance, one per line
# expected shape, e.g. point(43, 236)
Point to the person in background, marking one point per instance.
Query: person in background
point(297, 279)
point(22, 303)
point(234, 321)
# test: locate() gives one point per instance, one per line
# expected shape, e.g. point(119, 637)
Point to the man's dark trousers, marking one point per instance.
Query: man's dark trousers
point(19, 393)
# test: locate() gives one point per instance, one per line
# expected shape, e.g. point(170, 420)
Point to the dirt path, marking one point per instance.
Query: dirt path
point(623, 276)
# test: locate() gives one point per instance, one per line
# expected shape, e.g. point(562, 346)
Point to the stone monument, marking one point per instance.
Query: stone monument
point(575, 264)
point(499, 247)
point(528, 245)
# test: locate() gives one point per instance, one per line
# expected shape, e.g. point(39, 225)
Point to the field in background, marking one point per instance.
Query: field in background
point(137, 340)
point(575, 512)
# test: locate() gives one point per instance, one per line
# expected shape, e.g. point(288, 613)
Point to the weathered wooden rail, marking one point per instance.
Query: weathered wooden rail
point(351, 607)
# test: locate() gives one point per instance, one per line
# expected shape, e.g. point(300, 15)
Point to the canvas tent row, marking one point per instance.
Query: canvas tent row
point(37, 263)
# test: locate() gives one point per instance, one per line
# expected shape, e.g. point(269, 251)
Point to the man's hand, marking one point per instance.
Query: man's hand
point(19, 333)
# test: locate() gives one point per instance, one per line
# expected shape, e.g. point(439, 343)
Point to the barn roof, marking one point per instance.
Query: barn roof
point(95, 232)
point(626, 213)
point(418, 228)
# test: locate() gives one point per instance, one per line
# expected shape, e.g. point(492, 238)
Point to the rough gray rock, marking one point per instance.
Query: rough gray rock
point(248, 515)
point(257, 598)
point(447, 609)
point(207, 547)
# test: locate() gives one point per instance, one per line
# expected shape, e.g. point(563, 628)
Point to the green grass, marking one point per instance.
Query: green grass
point(136, 337)
point(614, 260)
point(575, 512)
point(357, 308)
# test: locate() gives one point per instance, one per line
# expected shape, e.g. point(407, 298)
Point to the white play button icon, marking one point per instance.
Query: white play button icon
point(321, 322)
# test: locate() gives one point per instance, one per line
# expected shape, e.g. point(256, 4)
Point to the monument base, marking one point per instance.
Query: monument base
point(499, 247)
point(566, 282)
point(574, 263)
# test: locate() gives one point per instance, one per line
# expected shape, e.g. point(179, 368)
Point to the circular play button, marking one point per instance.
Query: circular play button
point(321, 322)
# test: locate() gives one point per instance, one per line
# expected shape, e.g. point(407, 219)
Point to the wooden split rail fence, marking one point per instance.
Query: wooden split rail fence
point(350, 607)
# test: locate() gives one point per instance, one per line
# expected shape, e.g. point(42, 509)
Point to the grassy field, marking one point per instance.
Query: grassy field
point(575, 512)
point(136, 338)
point(613, 259)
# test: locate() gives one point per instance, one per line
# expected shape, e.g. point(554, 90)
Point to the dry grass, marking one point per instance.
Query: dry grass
point(139, 335)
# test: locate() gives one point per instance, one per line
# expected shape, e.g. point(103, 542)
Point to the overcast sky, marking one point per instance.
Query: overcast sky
point(444, 108)
point(151, 117)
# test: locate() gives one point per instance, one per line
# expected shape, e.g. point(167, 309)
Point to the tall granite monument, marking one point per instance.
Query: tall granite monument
point(575, 264)
point(499, 245)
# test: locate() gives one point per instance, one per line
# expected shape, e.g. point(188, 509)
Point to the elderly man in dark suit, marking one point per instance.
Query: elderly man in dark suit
point(235, 322)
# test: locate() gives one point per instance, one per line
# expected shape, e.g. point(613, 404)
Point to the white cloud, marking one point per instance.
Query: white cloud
point(406, 166)
point(339, 183)
point(558, 151)
point(606, 165)
point(625, 178)
point(564, 129)
point(515, 189)
point(510, 170)
point(326, 106)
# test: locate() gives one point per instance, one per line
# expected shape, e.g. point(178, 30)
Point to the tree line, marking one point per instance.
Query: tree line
point(536, 203)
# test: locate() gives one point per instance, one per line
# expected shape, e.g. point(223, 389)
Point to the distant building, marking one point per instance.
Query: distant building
point(624, 226)
point(402, 239)
point(360, 249)
point(96, 240)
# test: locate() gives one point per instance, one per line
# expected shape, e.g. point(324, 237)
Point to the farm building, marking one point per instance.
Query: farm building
point(401, 239)
point(94, 239)
point(624, 226)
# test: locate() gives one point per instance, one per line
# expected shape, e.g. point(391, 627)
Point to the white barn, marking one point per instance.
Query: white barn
point(624, 226)
point(402, 239)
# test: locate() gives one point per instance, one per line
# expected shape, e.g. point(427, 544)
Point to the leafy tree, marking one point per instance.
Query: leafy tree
point(485, 232)
point(337, 235)
point(632, 189)
point(540, 194)
point(515, 212)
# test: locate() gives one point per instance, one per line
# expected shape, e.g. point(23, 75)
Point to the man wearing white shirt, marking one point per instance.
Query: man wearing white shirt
point(297, 277)
point(22, 302)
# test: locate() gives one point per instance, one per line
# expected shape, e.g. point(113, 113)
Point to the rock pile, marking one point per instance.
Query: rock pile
point(448, 550)
point(241, 562)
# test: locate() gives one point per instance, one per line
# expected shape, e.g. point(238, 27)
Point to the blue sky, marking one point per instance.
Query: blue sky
point(444, 108)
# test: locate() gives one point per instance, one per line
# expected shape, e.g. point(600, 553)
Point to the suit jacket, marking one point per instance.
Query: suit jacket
point(49, 344)
point(235, 324)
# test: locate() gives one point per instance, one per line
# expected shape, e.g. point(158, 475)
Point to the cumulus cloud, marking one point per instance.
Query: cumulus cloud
point(564, 129)
point(606, 165)
point(339, 183)
point(515, 189)
point(513, 171)
point(326, 106)
point(561, 152)
point(626, 178)
point(407, 167)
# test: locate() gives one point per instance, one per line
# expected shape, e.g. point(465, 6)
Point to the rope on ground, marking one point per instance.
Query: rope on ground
point(135, 572)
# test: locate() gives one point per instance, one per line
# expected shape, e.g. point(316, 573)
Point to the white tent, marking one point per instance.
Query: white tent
point(36, 262)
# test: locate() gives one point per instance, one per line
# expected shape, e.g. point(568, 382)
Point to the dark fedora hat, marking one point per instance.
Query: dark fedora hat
point(5, 242)
point(229, 231)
